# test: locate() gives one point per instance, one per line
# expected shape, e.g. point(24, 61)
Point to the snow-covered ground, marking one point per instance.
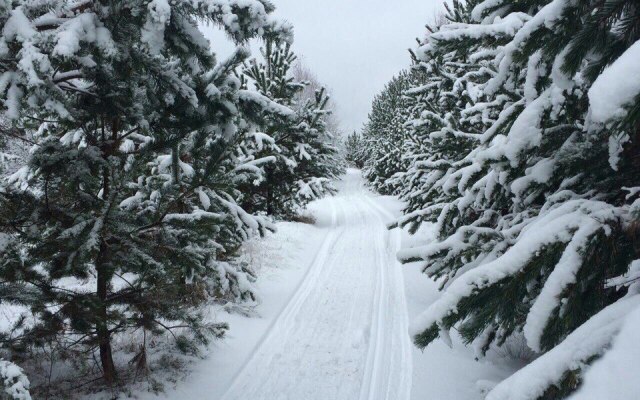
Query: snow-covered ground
point(441, 372)
point(332, 323)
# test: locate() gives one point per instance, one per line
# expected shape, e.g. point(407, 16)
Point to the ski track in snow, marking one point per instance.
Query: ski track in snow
point(343, 335)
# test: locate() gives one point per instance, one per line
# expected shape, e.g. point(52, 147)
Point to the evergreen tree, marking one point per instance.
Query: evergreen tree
point(354, 146)
point(127, 206)
point(523, 153)
point(385, 134)
point(304, 149)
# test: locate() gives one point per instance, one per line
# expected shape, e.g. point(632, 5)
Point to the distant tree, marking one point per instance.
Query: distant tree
point(385, 134)
point(306, 156)
point(303, 73)
point(354, 149)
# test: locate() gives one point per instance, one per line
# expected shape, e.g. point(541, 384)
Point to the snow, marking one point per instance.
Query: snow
point(555, 225)
point(525, 132)
point(501, 27)
point(18, 27)
point(615, 376)
point(333, 317)
point(205, 201)
point(265, 103)
point(478, 11)
point(343, 334)
point(195, 215)
point(547, 17)
point(13, 382)
point(281, 261)
point(157, 19)
point(616, 88)
point(539, 173)
point(442, 371)
point(564, 274)
point(630, 278)
point(616, 146)
point(535, 70)
point(589, 340)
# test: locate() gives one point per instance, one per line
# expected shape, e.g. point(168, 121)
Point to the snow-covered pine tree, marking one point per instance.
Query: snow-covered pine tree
point(306, 156)
point(128, 196)
point(536, 221)
point(354, 150)
point(441, 129)
point(385, 133)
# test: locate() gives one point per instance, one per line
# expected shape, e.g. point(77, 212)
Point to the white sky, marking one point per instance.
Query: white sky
point(353, 46)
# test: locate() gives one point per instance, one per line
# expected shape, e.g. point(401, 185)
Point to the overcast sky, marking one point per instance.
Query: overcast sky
point(353, 46)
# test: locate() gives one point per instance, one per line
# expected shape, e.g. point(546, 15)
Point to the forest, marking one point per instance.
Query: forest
point(144, 177)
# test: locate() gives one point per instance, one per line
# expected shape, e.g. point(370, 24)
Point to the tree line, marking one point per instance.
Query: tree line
point(515, 136)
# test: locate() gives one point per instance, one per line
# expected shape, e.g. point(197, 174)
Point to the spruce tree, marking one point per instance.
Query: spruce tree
point(127, 204)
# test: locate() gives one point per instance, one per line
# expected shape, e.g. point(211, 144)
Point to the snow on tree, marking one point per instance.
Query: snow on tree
point(385, 135)
point(304, 148)
point(127, 207)
point(617, 365)
point(449, 116)
point(523, 151)
point(354, 149)
point(13, 382)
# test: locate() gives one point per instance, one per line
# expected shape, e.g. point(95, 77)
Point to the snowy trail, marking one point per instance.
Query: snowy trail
point(343, 335)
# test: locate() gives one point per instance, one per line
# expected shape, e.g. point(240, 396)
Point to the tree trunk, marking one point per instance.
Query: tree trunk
point(103, 279)
point(102, 328)
point(269, 205)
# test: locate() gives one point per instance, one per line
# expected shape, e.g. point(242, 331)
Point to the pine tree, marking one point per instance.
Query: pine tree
point(128, 203)
point(385, 134)
point(304, 149)
point(523, 154)
point(354, 150)
point(441, 130)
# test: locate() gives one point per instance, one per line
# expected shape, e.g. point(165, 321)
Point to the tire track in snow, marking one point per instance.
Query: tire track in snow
point(402, 388)
point(343, 334)
point(369, 389)
point(296, 299)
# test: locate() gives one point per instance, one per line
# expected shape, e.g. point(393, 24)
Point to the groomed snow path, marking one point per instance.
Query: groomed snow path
point(343, 334)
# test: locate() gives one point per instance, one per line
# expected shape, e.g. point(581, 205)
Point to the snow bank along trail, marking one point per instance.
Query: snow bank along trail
point(343, 335)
